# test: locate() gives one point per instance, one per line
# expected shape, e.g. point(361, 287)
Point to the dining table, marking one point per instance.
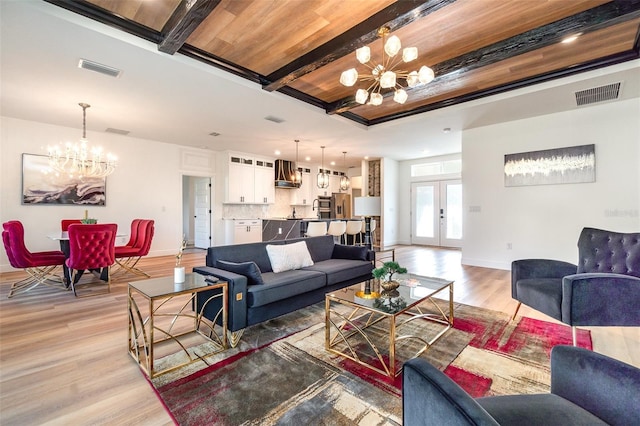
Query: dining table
point(63, 238)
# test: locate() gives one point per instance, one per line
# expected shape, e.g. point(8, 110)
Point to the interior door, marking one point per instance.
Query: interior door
point(436, 209)
point(202, 212)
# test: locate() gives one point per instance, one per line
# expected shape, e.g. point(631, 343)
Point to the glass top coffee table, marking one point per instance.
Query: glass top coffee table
point(370, 326)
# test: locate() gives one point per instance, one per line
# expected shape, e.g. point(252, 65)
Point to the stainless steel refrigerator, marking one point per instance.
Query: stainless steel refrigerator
point(340, 206)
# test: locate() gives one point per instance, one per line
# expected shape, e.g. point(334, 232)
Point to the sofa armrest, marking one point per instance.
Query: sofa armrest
point(601, 299)
point(430, 397)
point(605, 387)
point(538, 268)
point(237, 303)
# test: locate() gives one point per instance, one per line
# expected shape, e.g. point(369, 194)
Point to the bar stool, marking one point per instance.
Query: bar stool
point(373, 234)
point(337, 228)
point(354, 228)
point(316, 229)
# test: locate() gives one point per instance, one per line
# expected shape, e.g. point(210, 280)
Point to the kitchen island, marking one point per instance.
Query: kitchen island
point(276, 229)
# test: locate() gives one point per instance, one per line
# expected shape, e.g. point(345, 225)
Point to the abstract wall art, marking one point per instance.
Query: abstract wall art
point(576, 164)
point(40, 185)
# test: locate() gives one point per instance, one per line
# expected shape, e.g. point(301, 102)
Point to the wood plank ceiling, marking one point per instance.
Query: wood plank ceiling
point(475, 47)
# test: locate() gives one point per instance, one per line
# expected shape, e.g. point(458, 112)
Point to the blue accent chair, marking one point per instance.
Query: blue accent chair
point(587, 388)
point(602, 290)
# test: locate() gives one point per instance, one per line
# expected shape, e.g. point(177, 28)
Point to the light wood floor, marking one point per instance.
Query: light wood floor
point(64, 360)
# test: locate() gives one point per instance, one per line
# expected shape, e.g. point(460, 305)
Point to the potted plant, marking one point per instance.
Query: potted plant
point(385, 275)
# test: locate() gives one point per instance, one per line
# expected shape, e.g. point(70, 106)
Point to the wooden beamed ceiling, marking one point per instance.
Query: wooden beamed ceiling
point(476, 48)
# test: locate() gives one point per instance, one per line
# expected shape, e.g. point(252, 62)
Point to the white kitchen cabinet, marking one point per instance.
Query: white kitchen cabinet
point(264, 178)
point(241, 231)
point(249, 180)
point(240, 185)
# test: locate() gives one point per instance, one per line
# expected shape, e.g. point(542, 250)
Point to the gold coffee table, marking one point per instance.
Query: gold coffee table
point(366, 325)
point(161, 319)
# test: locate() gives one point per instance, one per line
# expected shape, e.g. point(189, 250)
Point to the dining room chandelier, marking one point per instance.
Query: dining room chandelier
point(385, 75)
point(323, 176)
point(344, 179)
point(79, 159)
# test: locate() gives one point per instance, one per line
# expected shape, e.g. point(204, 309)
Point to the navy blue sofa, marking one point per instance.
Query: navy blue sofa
point(587, 388)
point(257, 294)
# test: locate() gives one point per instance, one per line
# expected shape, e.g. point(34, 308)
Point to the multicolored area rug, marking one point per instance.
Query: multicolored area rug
point(281, 374)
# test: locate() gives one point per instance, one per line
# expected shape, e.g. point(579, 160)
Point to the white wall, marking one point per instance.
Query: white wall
point(389, 174)
point(545, 221)
point(146, 184)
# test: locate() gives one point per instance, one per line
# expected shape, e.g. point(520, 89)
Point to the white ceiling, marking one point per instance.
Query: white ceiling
point(175, 99)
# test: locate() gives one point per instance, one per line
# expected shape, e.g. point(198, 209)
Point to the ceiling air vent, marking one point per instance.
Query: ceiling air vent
point(274, 119)
point(102, 69)
point(598, 94)
point(117, 131)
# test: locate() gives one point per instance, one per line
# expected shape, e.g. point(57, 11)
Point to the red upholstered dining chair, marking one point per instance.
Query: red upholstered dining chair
point(39, 265)
point(64, 223)
point(128, 256)
point(91, 247)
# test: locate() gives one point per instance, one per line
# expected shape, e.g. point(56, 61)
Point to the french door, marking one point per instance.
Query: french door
point(436, 211)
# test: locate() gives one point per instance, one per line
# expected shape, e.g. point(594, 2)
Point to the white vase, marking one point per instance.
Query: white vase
point(178, 274)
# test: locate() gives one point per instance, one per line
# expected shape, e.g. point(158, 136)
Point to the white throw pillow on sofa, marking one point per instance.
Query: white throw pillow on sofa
point(286, 257)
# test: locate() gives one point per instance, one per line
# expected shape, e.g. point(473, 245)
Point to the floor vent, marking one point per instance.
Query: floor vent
point(102, 69)
point(598, 94)
point(117, 131)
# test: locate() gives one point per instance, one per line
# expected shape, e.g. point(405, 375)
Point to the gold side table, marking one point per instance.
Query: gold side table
point(162, 321)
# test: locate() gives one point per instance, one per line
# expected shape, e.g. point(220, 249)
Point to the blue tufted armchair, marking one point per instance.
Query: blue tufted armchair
point(587, 388)
point(602, 290)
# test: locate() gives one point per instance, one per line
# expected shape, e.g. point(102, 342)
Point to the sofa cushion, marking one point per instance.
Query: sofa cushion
point(248, 269)
point(289, 257)
point(321, 248)
point(339, 270)
point(349, 252)
point(250, 252)
point(282, 285)
point(541, 409)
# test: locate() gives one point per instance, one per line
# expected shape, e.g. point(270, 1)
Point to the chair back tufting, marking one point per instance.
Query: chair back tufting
point(91, 246)
point(609, 252)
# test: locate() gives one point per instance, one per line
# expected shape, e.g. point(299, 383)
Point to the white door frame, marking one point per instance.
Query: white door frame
point(439, 215)
point(192, 202)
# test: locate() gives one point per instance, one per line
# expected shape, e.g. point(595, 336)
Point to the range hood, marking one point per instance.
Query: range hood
point(284, 174)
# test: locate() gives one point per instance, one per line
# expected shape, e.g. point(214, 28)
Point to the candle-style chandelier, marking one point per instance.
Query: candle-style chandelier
point(79, 160)
point(384, 75)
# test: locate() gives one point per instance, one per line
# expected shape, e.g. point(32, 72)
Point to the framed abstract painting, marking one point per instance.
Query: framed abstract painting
point(576, 164)
point(41, 185)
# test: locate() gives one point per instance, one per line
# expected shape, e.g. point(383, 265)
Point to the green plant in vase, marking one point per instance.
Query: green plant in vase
point(89, 221)
point(385, 274)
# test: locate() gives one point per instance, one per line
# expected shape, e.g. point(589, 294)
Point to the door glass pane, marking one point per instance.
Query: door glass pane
point(454, 211)
point(424, 211)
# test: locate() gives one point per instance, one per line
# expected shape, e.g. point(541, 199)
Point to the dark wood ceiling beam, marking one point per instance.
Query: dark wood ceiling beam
point(596, 64)
point(585, 22)
point(183, 21)
point(396, 16)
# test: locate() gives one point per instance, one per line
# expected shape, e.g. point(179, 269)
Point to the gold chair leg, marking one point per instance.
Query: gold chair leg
point(37, 275)
point(74, 274)
point(516, 312)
